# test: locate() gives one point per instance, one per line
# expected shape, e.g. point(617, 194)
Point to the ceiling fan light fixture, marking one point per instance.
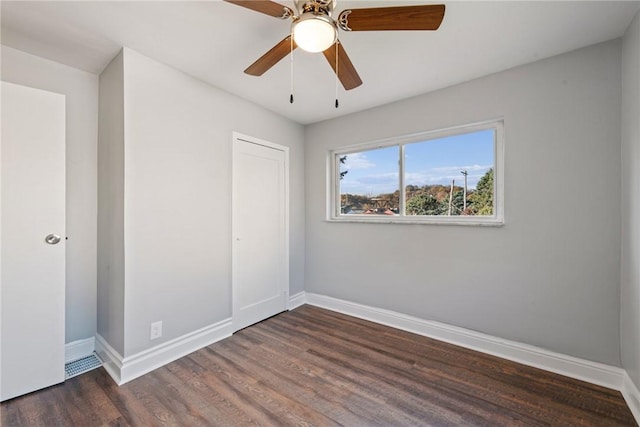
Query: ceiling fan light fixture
point(314, 33)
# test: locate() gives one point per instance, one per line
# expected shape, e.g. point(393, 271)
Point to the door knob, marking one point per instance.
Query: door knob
point(52, 239)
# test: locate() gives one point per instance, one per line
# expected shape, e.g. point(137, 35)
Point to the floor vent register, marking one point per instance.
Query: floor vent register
point(80, 366)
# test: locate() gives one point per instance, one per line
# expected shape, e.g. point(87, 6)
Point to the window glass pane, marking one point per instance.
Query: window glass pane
point(435, 172)
point(369, 182)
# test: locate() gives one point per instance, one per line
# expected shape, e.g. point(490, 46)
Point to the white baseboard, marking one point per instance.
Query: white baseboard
point(296, 300)
point(78, 349)
point(585, 370)
point(631, 396)
point(125, 369)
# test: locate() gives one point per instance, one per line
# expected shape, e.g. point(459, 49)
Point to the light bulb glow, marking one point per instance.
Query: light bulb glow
point(314, 33)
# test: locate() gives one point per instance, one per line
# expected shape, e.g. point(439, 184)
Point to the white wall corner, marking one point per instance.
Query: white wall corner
point(631, 395)
point(296, 300)
point(78, 349)
point(111, 359)
point(573, 367)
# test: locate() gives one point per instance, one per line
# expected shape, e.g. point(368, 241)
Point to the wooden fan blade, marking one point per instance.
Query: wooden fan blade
point(264, 6)
point(427, 17)
point(271, 58)
point(346, 71)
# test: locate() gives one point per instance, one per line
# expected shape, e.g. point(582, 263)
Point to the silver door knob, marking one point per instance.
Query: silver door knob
point(52, 239)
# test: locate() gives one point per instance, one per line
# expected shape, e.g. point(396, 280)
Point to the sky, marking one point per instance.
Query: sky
point(436, 161)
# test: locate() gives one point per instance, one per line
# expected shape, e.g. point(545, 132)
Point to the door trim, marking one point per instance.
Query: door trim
point(234, 231)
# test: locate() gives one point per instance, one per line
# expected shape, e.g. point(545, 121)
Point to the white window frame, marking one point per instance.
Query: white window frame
point(333, 182)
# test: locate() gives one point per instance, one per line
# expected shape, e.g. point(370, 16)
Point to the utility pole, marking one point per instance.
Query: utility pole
point(464, 195)
point(453, 182)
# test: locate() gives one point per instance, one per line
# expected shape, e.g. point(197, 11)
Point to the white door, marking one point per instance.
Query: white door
point(32, 276)
point(260, 230)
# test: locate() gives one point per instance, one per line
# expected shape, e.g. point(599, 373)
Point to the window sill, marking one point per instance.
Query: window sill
point(466, 221)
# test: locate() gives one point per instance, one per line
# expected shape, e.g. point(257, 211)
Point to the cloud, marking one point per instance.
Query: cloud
point(357, 161)
point(381, 178)
point(457, 169)
point(372, 184)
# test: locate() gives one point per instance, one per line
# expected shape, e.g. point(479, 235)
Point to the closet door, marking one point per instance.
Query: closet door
point(32, 240)
point(260, 228)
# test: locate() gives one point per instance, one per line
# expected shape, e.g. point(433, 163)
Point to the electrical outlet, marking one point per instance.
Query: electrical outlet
point(156, 330)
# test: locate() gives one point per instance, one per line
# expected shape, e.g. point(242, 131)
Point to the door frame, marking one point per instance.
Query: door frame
point(237, 136)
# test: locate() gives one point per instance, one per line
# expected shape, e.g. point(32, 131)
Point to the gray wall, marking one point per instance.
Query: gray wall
point(630, 283)
point(111, 205)
point(177, 198)
point(550, 276)
point(81, 91)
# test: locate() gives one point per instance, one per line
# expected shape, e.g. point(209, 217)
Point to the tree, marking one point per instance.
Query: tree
point(422, 204)
point(343, 159)
point(482, 198)
point(457, 205)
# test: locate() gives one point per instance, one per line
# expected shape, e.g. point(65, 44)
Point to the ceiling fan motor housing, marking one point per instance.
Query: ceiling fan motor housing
point(317, 7)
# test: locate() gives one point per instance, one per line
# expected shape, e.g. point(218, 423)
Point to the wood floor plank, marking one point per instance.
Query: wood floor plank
point(309, 381)
point(501, 371)
point(380, 366)
point(314, 367)
point(101, 411)
point(302, 384)
point(348, 374)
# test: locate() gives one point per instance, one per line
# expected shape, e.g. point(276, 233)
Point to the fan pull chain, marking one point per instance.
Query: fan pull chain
point(291, 54)
point(337, 103)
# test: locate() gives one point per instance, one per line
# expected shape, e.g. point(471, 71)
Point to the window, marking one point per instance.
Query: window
point(450, 176)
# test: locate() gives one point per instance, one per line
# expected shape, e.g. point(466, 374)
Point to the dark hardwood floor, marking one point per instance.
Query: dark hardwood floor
point(316, 367)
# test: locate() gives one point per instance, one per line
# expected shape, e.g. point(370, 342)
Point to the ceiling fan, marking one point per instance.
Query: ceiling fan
point(314, 29)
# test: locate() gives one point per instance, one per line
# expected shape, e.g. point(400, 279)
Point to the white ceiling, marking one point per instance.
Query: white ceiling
point(215, 41)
